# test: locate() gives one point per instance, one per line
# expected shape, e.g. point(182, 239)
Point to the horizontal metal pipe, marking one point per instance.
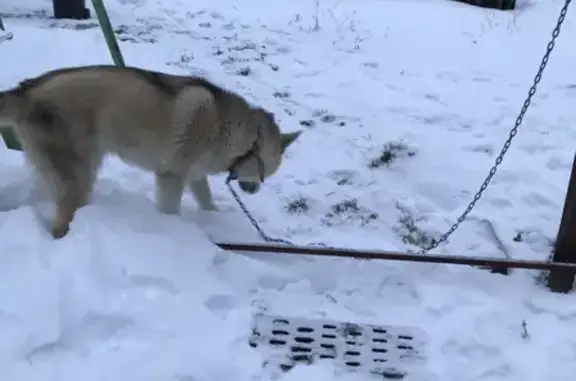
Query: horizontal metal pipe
point(396, 256)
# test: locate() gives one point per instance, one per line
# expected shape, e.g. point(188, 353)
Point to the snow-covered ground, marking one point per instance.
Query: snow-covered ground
point(133, 295)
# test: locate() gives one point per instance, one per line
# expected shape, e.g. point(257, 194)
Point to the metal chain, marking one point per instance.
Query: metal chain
point(262, 233)
point(491, 173)
point(512, 134)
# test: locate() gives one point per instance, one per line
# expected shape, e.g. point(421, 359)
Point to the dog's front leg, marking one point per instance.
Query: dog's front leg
point(201, 191)
point(169, 189)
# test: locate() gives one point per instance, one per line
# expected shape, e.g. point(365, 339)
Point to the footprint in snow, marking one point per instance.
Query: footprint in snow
point(220, 302)
point(154, 286)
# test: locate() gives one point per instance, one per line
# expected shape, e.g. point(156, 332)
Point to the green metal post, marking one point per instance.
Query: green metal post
point(10, 138)
point(106, 27)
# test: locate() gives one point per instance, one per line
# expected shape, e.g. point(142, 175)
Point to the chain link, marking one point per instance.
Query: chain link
point(511, 135)
point(491, 173)
point(260, 231)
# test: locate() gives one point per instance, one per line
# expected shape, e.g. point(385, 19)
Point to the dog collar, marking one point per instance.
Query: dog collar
point(253, 151)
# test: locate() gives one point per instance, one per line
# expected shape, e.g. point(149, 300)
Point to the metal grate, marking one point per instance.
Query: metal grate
point(384, 350)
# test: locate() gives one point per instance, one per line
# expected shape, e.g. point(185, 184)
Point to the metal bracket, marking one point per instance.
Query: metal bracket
point(5, 36)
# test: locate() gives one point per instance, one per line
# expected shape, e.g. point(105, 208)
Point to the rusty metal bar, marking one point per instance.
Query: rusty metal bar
point(562, 279)
point(495, 264)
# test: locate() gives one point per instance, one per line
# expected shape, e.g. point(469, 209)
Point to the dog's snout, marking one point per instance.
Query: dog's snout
point(249, 186)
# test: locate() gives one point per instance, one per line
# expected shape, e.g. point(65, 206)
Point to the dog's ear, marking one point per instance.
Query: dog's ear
point(289, 138)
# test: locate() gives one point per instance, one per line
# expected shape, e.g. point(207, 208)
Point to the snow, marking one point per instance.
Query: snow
point(133, 295)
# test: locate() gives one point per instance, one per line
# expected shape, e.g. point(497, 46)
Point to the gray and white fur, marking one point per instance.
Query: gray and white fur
point(181, 128)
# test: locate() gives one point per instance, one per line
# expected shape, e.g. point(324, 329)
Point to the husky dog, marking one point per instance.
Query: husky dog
point(181, 128)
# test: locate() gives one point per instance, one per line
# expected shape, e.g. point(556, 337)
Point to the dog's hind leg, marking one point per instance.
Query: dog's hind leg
point(200, 189)
point(75, 174)
point(169, 190)
point(69, 181)
point(66, 206)
point(64, 162)
point(92, 168)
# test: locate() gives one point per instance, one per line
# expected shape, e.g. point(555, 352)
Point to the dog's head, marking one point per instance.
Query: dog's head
point(265, 156)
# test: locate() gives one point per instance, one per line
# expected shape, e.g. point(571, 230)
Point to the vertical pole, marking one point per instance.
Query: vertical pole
point(70, 9)
point(562, 280)
point(508, 5)
point(108, 32)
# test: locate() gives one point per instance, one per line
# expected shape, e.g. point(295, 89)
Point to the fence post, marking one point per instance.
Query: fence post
point(108, 32)
point(562, 280)
point(70, 9)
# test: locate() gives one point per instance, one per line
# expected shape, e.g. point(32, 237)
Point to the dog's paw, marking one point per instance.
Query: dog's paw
point(60, 231)
point(209, 208)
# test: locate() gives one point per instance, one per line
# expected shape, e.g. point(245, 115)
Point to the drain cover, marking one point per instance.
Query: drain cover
point(384, 350)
